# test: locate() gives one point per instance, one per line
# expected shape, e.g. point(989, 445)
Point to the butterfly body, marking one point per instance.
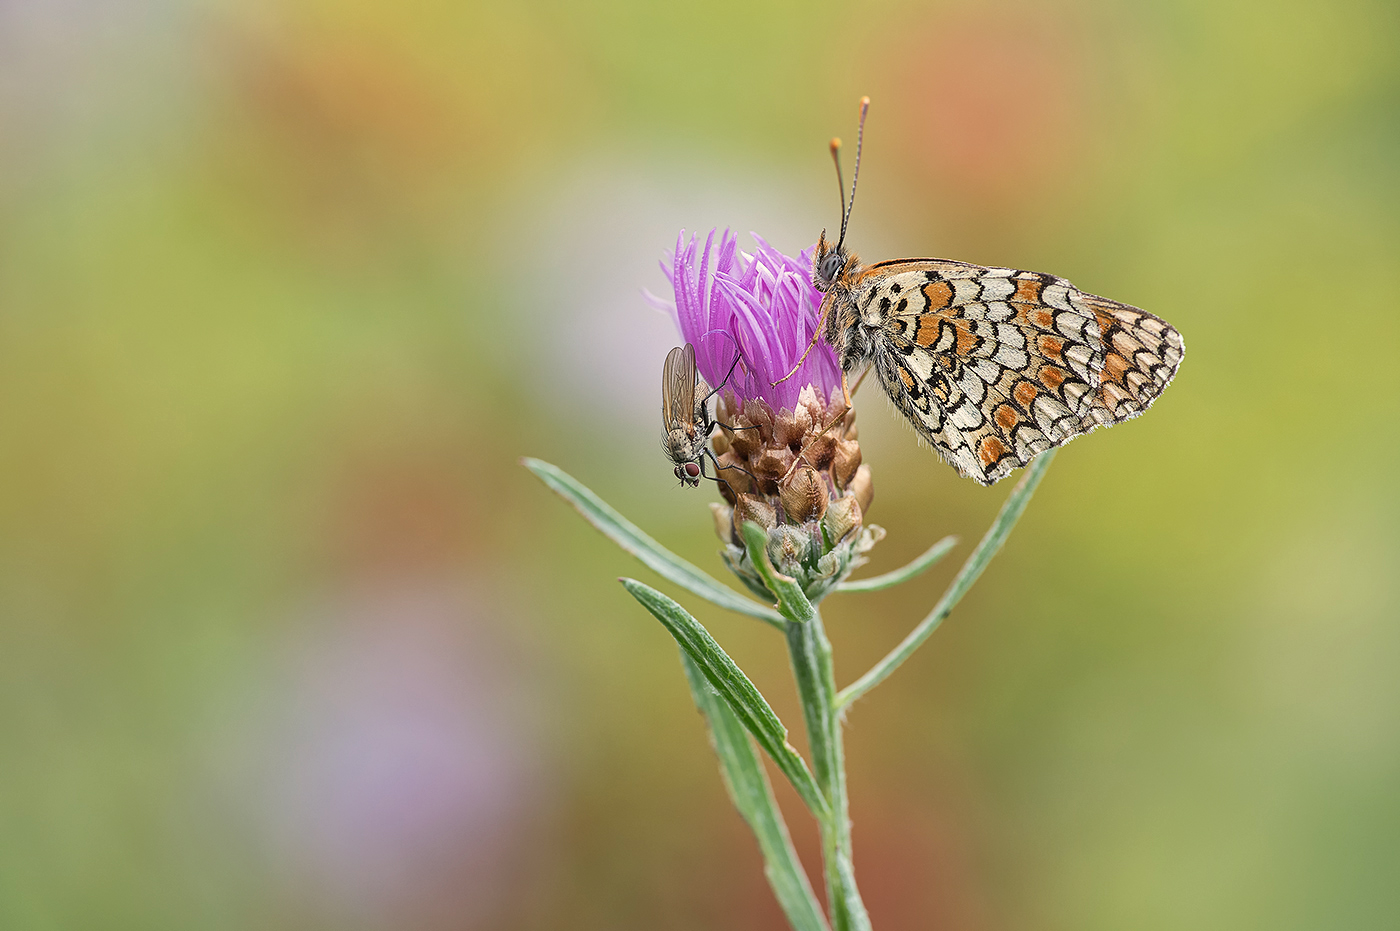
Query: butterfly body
point(992, 366)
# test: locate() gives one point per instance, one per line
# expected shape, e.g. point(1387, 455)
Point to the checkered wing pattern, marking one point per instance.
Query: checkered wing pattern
point(993, 366)
point(1141, 354)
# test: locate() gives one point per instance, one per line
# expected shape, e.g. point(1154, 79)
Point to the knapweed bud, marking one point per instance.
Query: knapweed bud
point(788, 549)
point(862, 488)
point(804, 495)
point(803, 418)
point(724, 521)
point(842, 517)
point(848, 429)
point(845, 462)
point(770, 466)
point(756, 510)
point(792, 431)
point(720, 441)
point(820, 450)
point(736, 477)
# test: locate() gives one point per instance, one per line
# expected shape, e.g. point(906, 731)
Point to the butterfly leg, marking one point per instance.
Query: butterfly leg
point(846, 391)
point(821, 326)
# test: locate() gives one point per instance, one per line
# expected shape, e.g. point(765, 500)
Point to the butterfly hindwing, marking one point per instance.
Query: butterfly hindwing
point(1142, 353)
point(994, 365)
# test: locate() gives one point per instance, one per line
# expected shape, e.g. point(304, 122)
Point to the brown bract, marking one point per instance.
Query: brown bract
point(783, 468)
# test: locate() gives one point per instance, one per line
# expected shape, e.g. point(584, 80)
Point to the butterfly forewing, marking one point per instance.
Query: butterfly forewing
point(994, 365)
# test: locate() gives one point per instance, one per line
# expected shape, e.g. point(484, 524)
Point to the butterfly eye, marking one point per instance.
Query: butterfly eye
point(830, 267)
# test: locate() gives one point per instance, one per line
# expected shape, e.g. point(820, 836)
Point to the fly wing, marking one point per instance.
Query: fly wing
point(678, 389)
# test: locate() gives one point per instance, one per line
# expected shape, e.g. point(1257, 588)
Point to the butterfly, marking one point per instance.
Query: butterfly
point(991, 366)
point(685, 416)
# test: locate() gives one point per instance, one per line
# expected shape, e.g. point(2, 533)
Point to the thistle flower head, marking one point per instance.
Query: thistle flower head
point(762, 305)
point(787, 453)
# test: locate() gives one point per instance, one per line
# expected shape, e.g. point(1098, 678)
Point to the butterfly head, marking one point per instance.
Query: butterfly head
point(829, 264)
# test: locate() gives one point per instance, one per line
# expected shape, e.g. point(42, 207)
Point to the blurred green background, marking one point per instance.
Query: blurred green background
point(289, 640)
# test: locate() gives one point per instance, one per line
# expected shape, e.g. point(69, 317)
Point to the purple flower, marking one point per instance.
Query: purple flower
point(762, 305)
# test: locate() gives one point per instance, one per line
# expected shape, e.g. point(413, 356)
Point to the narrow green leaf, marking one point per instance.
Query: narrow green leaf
point(656, 557)
point(996, 535)
point(751, 794)
point(792, 602)
point(743, 698)
point(932, 555)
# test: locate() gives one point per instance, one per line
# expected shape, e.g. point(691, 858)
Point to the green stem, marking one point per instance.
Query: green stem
point(812, 667)
point(996, 535)
point(748, 787)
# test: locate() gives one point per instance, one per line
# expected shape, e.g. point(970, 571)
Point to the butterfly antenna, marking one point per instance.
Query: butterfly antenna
point(855, 176)
point(840, 182)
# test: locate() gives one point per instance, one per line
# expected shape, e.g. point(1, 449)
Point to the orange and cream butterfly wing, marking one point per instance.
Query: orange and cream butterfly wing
point(1141, 355)
point(993, 366)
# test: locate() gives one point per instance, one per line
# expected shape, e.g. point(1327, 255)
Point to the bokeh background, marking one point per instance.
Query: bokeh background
point(288, 639)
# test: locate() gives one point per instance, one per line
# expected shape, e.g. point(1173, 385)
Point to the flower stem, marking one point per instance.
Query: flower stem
point(996, 535)
point(812, 667)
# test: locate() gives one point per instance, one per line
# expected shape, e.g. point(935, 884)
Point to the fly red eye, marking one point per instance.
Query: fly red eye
point(692, 469)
